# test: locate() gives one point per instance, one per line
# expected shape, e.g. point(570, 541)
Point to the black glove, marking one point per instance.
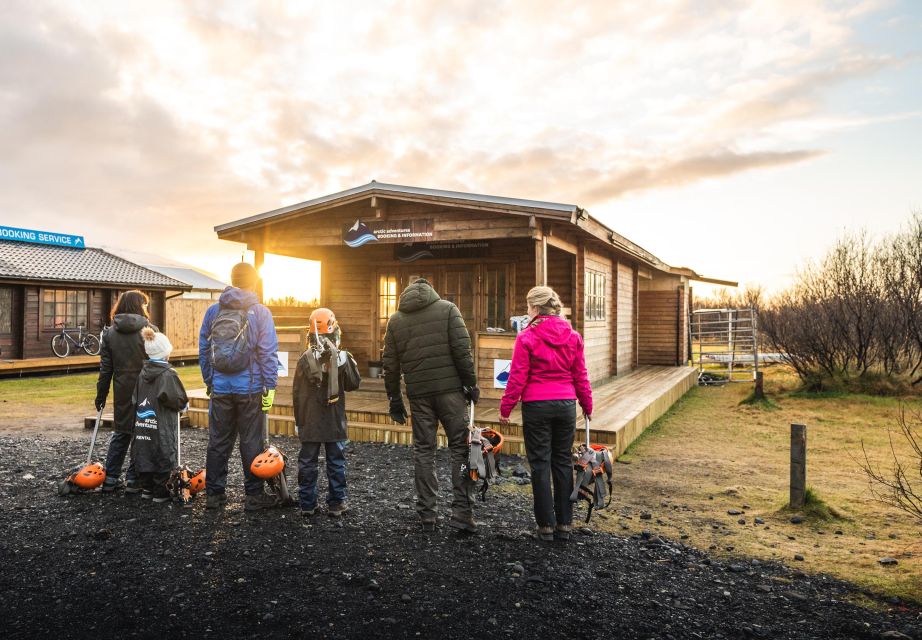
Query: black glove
point(472, 393)
point(208, 390)
point(100, 403)
point(397, 411)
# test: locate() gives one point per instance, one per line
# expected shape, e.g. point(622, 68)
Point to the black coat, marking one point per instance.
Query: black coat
point(428, 343)
point(158, 398)
point(316, 420)
point(121, 359)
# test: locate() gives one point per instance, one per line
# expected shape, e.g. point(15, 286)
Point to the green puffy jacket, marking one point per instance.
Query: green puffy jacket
point(427, 341)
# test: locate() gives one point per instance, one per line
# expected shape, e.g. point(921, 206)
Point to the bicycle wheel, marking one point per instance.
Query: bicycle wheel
point(60, 346)
point(91, 344)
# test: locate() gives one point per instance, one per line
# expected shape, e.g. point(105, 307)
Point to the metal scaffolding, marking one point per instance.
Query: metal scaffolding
point(725, 345)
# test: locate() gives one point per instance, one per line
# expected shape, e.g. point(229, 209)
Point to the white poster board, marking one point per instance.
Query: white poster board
point(283, 364)
point(501, 373)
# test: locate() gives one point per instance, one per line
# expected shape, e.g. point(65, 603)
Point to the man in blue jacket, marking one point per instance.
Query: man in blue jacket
point(238, 355)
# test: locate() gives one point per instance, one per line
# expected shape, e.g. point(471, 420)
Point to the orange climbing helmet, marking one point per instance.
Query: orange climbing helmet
point(268, 464)
point(197, 482)
point(90, 476)
point(323, 321)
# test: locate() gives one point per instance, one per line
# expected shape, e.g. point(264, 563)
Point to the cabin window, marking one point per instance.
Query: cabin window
point(6, 310)
point(595, 295)
point(388, 296)
point(496, 313)
point(63, 306)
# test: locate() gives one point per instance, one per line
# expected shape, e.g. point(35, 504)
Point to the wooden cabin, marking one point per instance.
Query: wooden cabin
point(483, 253)
point(43, 287)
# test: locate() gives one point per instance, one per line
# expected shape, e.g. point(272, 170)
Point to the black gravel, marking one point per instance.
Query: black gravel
point(115, 566)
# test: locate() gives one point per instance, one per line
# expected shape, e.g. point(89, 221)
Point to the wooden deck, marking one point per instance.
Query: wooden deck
point(54, 364)
point(624, 407)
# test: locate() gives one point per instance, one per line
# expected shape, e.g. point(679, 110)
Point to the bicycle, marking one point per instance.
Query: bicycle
point(60, 343)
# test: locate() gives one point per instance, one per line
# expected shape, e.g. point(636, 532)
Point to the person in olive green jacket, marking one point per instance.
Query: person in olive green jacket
point(427, 342)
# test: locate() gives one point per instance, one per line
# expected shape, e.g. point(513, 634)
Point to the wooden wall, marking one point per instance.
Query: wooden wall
point(184, 321)
point(625, 331)
point(597, 334)
point(560, 274)
point(11, 343)
point(659, 332)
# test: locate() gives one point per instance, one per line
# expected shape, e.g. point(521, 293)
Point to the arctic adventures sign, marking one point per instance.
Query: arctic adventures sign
point(388, 231)
point(41, 237)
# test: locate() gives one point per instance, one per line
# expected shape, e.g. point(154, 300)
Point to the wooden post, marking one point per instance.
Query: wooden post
point(258, 259)
point(541, 262)
point(798, 465)
point(759, 393)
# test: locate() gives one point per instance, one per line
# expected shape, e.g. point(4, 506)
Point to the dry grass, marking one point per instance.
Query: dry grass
point(711, 453)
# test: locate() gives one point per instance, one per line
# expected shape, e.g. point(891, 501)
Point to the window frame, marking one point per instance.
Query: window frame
point(85, 320)
point(595, 301)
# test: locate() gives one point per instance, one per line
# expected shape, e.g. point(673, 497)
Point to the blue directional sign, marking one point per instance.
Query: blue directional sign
point(41, 237)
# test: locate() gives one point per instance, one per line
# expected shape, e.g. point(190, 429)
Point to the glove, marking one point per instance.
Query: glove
point(397, 411)
point(100, 403)
point(208, 390)
point(472, 393)
point(268, 398)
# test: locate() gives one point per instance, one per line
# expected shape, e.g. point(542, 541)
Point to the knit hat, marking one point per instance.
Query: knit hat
point(156, 345)
point(244, 276)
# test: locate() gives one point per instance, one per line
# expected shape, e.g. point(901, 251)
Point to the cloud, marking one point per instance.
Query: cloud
point(190, 114)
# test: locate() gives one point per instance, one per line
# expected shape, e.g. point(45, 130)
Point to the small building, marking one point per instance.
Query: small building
point(484, 253)
point(185, 310)
point(49, 281)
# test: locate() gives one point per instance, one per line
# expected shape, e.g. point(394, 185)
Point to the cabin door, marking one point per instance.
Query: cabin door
point(391, 283)
point(459, 285)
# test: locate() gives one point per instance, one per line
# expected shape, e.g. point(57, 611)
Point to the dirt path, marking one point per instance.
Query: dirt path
point(112, 564)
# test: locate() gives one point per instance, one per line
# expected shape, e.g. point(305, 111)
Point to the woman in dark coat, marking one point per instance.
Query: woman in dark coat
point(122, 357)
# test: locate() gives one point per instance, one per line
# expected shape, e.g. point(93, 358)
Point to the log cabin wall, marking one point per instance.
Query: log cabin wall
point(11, 340)
point(662, 335)
point(597, 333)
point(626, 307)
point(560, 265)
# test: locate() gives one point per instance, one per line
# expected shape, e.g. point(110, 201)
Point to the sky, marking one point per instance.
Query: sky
point(738, 138)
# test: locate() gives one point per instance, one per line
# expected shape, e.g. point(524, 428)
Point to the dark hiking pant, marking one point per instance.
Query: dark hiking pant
point(119, 444)
point(451, 410)
point(156, 483)
point(229, 415)
point(335, 454)
point(549, 427)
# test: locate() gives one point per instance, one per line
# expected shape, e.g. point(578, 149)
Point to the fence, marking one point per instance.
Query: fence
point(725, 345)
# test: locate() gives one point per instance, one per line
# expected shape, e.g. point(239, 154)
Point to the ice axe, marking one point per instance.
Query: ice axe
point(88, 476)
point(183, 483)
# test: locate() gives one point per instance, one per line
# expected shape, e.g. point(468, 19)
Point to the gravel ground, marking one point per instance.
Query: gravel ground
point(112, 563)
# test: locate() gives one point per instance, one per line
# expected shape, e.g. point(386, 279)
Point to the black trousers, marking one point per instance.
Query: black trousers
point(549, 427)
point(230, 415)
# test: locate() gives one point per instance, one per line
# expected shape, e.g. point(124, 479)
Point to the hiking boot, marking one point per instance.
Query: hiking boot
point(260, 501)
point(132, 487)
point(160, 499)
point(215, 500)
point(428, 525)
point(463, 523)
point(546, 534)
point(110, 487)
point(337, 509)
point(146, 495)
point(562, 532)
point(307, 513)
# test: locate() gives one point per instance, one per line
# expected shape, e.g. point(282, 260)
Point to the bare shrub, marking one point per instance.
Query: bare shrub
point(900, 484)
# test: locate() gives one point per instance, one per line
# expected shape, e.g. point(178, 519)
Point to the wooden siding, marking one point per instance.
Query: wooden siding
point(597, 333)
point(625, 331)
point(184, 321)
point(660, 339)
point(11, 342)
point(560, 274)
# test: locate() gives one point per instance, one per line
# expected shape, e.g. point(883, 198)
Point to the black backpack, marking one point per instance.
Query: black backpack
point(230, 340)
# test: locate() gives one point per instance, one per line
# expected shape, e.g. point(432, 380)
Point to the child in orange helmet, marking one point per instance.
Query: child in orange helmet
point(323, 376)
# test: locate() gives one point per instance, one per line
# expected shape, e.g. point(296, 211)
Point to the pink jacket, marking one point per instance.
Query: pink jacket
point(547, 364)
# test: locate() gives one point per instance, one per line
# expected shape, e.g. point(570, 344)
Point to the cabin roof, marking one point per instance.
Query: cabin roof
point(198, 280)
point(566, 213)
point(36, 262)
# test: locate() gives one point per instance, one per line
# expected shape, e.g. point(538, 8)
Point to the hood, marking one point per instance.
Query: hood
point(418, 295)
point(552, 330)
point(234, 298)
point(152, 370)
point(129, 322)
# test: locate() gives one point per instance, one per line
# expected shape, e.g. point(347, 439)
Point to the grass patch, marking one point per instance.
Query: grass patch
point(764, 402)
point(815, 508)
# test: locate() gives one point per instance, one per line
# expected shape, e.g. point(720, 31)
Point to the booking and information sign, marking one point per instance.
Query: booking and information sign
point(41, 237)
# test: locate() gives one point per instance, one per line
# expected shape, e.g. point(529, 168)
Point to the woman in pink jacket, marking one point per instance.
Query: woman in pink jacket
point(548, 373)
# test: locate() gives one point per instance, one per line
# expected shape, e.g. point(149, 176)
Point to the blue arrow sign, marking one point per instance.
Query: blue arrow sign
point(41, 237)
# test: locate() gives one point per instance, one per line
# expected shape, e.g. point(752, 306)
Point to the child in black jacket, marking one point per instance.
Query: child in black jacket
point(323, 375)
point(158, 398)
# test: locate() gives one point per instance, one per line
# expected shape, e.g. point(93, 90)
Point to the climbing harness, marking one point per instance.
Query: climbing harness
point(482, 462)
point(594, 472)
